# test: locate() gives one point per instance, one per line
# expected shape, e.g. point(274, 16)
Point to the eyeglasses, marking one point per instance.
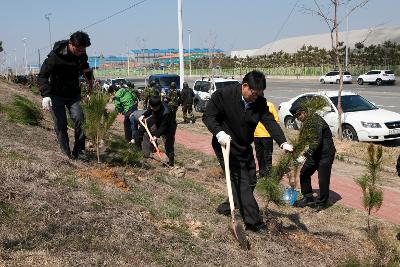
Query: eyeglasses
point(256, 92)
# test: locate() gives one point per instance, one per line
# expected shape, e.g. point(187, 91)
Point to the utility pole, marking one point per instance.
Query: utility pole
point(190, 55)
point(15, 62)
point(347, 41)
point(39, 58)
point(180, 31)
point(127, 49)
point(25, 60)
point(47, 16)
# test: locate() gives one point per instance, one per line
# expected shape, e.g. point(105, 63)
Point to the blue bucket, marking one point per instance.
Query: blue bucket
point(290, 195)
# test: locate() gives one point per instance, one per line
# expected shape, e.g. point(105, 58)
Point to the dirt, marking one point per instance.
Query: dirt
point(63, 212)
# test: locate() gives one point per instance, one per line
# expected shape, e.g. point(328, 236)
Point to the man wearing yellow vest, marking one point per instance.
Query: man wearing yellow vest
point(263, 143)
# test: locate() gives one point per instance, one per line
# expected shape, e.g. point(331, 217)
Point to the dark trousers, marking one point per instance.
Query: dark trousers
point(243, 178)
point(188, 109)
point(61, 124)
point(130, 125)
point(264, 147)
point(324, 168)
point(169, 140)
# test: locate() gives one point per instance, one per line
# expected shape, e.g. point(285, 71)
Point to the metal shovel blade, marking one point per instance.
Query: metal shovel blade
point(238, 231)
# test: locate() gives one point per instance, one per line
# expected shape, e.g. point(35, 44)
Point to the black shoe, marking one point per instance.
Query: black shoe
point(82, 156)
point(260, 229)
point(305, 202)
point(320, 206)
point(223, 209)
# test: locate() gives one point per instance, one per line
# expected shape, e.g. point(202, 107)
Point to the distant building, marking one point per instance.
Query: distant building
point(139, 57)
point(291, 45)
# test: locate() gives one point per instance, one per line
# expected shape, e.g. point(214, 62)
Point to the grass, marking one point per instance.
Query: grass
point(95, 190)
point(6, 210)
point(22, 110)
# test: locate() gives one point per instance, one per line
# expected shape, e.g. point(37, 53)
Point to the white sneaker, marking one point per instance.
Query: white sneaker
point(132, 141)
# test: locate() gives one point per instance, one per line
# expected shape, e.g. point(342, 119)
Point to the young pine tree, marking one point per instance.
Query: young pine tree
point(98, 121)
point(372, 193)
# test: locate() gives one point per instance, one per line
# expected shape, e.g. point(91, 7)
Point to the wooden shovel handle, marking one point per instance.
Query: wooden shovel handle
point(225, 152)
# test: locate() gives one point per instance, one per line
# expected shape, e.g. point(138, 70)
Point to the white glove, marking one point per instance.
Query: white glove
point(287, 147)
point(223, 138)
point(301, 159)
point(46, 103)
point(141, 118)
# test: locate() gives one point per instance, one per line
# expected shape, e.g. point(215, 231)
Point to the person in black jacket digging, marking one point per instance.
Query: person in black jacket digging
point(319, 157)
point(233, 113)
point(161, 122)
point(58, 82)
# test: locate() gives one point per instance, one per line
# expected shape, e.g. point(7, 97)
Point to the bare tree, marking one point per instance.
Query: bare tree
point(333, 22)
point(211, 43)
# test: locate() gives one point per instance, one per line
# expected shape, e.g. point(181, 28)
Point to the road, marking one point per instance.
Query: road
point(385, 96)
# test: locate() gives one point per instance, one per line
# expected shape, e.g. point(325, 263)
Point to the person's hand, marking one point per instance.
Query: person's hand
point(301, 159)
point(141, 118)
point(153, 139)
point(46, 103)
point(223, 138)
point(287, 147)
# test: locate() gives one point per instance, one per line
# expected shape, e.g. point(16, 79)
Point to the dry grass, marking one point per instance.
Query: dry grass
point(59, 212)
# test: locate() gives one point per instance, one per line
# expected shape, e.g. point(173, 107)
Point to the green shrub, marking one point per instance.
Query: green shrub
point(22, 110)
point(119, 151)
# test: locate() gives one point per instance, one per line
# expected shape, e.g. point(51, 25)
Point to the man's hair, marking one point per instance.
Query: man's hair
point(155, 101)
point(80, 38)
point(256, 80)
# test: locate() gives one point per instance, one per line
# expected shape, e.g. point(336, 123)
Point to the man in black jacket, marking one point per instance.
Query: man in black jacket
point(233, 113)
point(58, 82)
point(187, 96)
point(319, 157)
point(161, 122)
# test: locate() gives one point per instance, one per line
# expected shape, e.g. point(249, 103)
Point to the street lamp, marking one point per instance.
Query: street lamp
point(190, 55)
point(47, 16)
point(26, 62)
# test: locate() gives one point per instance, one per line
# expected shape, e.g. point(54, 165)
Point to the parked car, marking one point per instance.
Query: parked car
point(203, 89)
point(378, 77)
point(361, 120)
point(165, 80)
point(118, 82)
point(334, 77)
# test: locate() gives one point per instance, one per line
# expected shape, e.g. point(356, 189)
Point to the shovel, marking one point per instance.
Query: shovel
point(237, 227)
point(162, 157)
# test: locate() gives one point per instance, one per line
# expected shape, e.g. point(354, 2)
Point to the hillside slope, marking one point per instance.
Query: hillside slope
point(61, 212)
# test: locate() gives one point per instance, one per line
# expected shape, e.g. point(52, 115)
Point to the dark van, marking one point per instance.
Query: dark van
point(165, 80)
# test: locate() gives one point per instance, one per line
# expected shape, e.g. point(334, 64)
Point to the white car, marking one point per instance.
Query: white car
point(361, 120)
point(203, 89)
point(334, 77)
point(377, 76)
point(118, 82)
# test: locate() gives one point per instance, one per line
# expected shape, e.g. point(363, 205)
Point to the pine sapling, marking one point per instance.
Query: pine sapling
point(98, 120)
point(372, 193)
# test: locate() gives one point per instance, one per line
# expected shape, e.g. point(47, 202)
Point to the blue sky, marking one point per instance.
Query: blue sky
point(232, 24)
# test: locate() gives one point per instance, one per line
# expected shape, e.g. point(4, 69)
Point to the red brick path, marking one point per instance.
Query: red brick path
point(347, 191)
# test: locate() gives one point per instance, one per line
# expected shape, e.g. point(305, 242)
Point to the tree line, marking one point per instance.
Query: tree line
point(385, 54)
